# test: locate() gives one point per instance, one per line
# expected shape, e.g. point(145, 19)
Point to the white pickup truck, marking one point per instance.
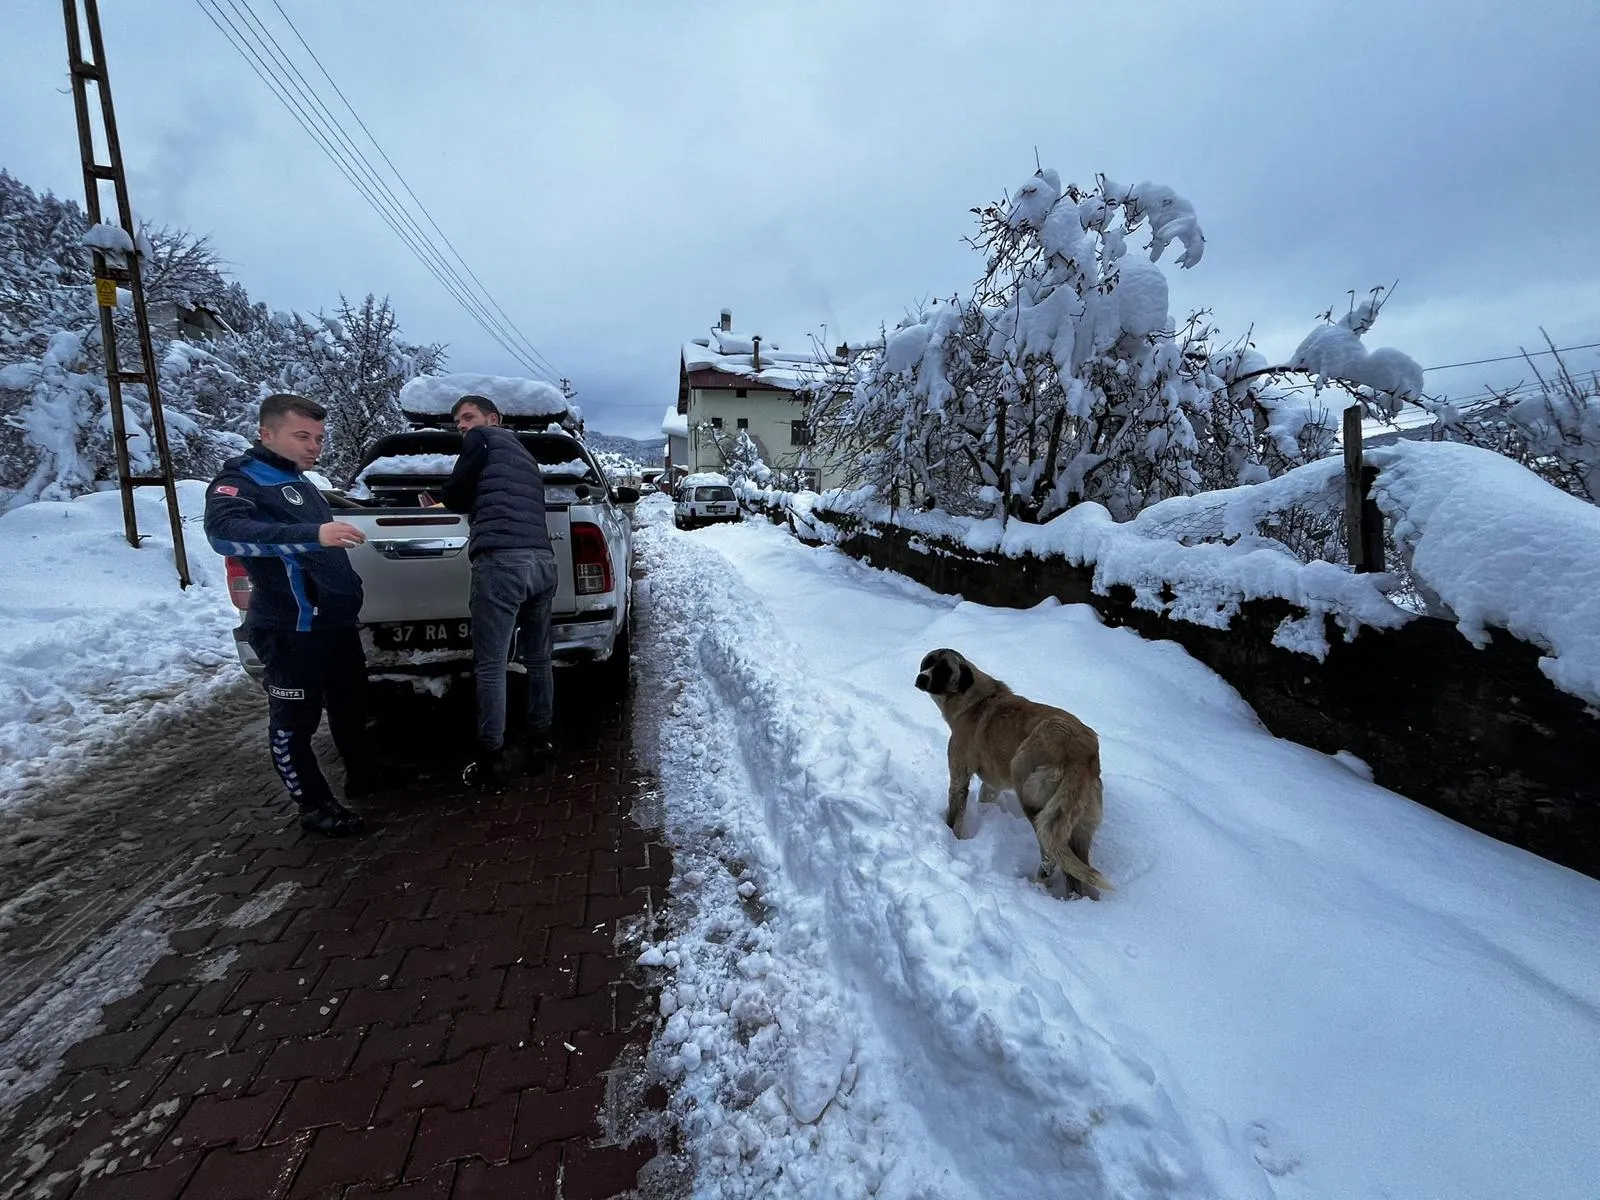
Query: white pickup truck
point(416, 578)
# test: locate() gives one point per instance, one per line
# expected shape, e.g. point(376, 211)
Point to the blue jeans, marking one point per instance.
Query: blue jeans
point(511, 592)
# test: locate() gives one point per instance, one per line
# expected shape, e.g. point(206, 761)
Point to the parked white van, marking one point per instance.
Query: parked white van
point(704, 498)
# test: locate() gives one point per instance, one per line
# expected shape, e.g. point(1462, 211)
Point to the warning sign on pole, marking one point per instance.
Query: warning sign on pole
point(105, 292)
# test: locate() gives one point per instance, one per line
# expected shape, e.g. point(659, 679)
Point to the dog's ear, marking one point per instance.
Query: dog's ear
point(964, 680)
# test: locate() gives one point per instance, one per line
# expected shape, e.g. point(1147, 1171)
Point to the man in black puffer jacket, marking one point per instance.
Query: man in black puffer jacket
point(499, 484)
point(304, 600)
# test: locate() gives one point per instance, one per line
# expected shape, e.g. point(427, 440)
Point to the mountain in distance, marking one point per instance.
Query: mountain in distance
point(647, 452)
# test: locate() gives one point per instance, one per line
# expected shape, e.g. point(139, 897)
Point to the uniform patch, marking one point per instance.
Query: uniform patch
point(225, 489)
point(279, 693)
point(293, 496)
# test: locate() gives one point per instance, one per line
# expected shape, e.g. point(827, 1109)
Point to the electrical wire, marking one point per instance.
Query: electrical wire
point(368, 184)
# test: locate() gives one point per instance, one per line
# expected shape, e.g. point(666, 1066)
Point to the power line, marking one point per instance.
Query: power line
point(361, 174)
point(508, 335)
point(1478, 362)
point(305, 119)
point(328, 134)
point(424, 209)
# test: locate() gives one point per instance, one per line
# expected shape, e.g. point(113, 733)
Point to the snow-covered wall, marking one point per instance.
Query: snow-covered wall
point(1475, 729)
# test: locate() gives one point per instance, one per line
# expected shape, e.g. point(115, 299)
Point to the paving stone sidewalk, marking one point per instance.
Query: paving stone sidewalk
point(445, 1007)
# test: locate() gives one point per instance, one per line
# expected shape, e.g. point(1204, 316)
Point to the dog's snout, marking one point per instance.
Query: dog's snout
point(923, 682)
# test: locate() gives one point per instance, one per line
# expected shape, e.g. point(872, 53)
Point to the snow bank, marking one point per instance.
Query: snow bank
point(436, 395)
point(844, 1017)
point(1194, 558)
point(1304, 987)
point(1490, 539)
point(1500, 547)
point(95, 635)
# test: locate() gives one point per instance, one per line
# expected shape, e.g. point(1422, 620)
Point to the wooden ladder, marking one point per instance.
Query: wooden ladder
point(108, 278)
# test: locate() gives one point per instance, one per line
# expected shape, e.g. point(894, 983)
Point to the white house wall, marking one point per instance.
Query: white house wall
point(769, 414)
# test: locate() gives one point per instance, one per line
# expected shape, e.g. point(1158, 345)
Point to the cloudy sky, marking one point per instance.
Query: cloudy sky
point(616, 173)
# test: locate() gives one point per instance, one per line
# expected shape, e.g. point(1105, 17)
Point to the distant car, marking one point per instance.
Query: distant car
point(704, 499)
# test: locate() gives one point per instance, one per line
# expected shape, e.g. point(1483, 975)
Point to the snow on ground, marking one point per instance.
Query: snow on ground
point(97, 637)
point(1303, 985)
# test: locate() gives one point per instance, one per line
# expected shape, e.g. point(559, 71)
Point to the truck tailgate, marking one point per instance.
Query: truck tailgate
point(414, 565)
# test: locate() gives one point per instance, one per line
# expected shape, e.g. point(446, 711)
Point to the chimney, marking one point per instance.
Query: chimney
point(756, 342)
point(727, 320)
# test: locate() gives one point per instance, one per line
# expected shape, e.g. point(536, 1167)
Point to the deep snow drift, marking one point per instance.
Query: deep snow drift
point(97, 637)
point(1303, 985)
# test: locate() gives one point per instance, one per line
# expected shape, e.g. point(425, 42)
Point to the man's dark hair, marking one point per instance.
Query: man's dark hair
point(281, 404)
point(482, 403)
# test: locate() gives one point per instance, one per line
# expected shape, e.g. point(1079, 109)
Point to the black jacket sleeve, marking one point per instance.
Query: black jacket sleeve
point(461, 489)
point(235, 525)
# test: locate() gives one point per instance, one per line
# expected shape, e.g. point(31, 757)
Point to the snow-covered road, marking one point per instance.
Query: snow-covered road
point(1303, 985)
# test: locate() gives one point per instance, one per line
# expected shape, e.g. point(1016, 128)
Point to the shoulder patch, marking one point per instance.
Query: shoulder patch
point(224, 489)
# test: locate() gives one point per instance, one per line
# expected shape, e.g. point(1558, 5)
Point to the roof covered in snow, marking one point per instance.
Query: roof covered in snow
point(728, 358)
point(675, 423)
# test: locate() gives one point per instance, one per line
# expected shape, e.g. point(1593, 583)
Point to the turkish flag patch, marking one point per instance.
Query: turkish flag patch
point(225, 489)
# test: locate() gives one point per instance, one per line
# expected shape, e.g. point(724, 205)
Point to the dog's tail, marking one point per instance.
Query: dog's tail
point(1070, 815)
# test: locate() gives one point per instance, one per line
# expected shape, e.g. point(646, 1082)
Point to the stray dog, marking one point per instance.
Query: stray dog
point(1044, 754)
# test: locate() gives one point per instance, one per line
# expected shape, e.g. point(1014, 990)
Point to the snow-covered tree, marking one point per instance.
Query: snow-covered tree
point(1064, 377)
point(355, 364)
point(55, 418)
point(1552, 427)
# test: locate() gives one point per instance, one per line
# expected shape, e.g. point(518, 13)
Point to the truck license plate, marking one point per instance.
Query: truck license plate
point(423, 635)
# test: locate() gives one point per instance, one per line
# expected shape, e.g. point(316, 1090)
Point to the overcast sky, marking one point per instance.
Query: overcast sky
point(616, 173)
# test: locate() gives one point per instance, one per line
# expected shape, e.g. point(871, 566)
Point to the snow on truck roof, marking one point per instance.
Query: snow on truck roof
point(436, 395)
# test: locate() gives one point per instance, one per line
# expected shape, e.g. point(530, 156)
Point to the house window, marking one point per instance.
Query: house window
point(716, 422)
point(744, 422)
point(809, 479)
point(797, 434)
point(741, 393)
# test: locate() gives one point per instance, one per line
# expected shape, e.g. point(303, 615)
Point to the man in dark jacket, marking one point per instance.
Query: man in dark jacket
point(304, 601)
point(499, 484)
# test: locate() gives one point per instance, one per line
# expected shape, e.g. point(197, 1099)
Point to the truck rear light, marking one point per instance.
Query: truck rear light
point(591, 561)
point(238, 583)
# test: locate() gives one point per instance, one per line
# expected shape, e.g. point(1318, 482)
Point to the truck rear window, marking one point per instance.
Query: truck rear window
point(713, 493)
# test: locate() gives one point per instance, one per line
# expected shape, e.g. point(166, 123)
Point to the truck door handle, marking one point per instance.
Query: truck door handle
point(420, 547)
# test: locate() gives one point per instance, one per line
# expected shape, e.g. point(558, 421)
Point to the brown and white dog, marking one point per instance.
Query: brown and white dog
point(1048, 757)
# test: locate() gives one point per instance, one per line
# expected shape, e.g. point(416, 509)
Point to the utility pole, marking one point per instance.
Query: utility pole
point(108, 277)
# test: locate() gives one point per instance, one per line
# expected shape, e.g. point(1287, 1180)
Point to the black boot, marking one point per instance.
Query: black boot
point(331, 819)
point(487, 772)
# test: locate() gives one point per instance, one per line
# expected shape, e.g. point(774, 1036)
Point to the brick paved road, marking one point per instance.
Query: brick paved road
point(445, 1007)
